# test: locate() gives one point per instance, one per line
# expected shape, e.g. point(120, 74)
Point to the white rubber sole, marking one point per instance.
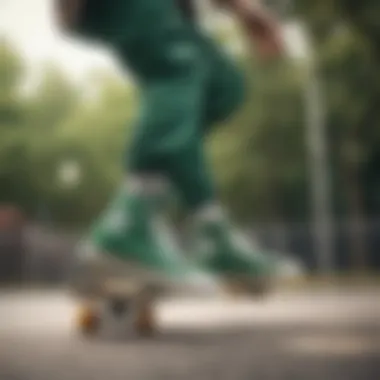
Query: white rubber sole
point(98, 274)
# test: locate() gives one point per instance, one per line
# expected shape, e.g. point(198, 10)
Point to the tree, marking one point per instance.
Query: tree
point(346, 34)
point(15, 181)
point(259, 155)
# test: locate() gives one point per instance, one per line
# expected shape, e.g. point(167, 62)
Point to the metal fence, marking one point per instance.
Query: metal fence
point(43, 255)
point(299, 239)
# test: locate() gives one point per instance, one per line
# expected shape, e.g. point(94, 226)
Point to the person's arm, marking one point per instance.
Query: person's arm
point(68, 12)
point(260, 25)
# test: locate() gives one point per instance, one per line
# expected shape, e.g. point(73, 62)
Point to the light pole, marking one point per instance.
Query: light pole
point(320, 183)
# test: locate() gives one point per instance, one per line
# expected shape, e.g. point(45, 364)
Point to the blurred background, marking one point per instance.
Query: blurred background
point(298, 166)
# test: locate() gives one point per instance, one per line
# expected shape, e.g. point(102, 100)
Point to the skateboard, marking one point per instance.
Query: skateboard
point(113, 298)
point(119, 307)
point(109, 297)
point(129, 306)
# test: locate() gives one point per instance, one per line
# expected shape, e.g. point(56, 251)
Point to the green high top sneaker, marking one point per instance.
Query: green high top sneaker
point(131, 240)
point(222, 249)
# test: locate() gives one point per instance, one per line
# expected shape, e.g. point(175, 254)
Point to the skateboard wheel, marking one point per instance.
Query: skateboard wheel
point(88, 321)
point(134, 310)
point(145, 323)
point(145, 317)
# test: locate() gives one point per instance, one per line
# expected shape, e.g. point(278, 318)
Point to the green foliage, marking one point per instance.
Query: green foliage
point(56, 123)
point(259, 157)
point(347, 46)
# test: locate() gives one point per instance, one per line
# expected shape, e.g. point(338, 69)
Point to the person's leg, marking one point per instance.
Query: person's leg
point(173, 74)
point(174, 64)
point(227, 87)
point(168, 137)
point(167, 143)
point(221, 246)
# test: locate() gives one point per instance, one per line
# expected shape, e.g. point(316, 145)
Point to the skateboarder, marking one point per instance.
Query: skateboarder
point(187, 85)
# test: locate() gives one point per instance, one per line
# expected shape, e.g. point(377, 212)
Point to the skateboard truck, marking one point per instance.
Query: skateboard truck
point(117, 306)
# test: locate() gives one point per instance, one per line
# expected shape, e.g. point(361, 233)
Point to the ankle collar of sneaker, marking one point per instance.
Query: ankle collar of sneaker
point(210, 213)
point(148, 184)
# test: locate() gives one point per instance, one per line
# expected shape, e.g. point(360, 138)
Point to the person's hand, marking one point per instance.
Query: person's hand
point(68, 12)
point(262, 29)
point(270, 46)
point(261, 26)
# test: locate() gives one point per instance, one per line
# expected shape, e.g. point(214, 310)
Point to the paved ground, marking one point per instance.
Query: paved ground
point(324, 335)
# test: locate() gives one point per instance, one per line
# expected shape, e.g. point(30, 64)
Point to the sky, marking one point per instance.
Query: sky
point(30, 25)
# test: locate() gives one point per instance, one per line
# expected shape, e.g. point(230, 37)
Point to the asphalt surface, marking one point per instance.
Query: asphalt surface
point(324, 335)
